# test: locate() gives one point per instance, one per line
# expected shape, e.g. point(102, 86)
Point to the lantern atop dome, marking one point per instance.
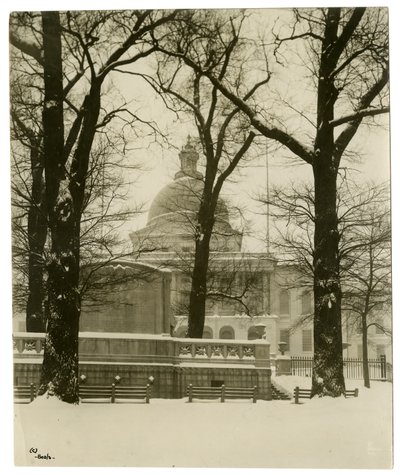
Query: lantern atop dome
point(189, 158)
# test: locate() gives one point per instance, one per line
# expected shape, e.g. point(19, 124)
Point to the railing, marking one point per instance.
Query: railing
point(379, 369)
point(28, 343)
point(216, 350)
point(154, 348)
point(301, 365)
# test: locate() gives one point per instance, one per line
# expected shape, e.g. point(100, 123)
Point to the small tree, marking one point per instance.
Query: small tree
point(366, 268)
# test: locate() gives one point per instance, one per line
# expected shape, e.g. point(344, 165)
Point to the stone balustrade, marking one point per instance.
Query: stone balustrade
point(28, 344)
point(255, 352)
point(153, 348)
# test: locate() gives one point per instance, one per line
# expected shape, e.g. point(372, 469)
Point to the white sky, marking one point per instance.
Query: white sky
point(372, 144)
point(374, 166)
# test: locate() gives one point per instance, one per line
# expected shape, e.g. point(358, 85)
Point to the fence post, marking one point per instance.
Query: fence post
point(223, 393)
point(383, 367)
point(296, 395)
point(32, 387)
point(112, 393)
point(356, 392)
point(147, 393)
point(190, 393)
point(255, 394)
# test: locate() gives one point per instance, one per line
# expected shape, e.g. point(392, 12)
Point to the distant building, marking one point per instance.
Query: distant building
point(151, 295)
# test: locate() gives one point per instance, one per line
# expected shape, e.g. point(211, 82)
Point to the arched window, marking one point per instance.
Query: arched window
point(305, 303)
point(284, 302)
point(227, 333)
point(207, 333)
point(252, 333)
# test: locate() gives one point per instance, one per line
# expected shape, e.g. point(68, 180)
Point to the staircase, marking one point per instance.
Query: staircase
point(279, 394)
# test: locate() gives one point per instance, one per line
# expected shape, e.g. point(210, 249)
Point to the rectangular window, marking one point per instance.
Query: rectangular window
point(284, 302)
point(284, 335)
point(307, 340)
point(305, 303)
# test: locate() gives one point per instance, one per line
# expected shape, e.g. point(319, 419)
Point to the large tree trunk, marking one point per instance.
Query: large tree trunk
point(328, 354)
point(198, 293)
point(65, 202)
point(37, 233)
point(60, 363)
point(327, 376)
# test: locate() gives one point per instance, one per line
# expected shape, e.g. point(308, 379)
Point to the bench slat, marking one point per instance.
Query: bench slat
point(205, 392)
point(300, 393)
point(25, 393)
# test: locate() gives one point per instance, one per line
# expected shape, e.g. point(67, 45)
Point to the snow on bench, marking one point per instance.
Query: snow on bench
point(222, 392)
point(300, 393)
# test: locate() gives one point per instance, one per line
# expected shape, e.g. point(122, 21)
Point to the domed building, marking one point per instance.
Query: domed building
point(239, 283)
point(171, 222)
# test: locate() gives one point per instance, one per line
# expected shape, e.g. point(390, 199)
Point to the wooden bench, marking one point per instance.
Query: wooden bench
point(300, 393)
point(24, 394)
point(131, 392)
point(220, 392)
point(95, 393)
point(114, 393)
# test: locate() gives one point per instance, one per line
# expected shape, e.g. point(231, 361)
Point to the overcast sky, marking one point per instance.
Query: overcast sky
point(371, 144)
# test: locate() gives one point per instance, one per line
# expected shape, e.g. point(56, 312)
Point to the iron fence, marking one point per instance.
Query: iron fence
point(379, 368)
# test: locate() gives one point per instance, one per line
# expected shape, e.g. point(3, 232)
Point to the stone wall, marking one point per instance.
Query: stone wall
point(173, 363)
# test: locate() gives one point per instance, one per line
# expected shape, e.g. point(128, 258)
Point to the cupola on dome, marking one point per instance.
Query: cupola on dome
point(183, 195)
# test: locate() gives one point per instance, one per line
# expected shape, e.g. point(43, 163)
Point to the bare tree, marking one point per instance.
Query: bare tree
point(67, 159)
point(366, 268)
point(222, 129)
point(345, 51)
point(232, 279)
point(364, 249)
point(29, 213)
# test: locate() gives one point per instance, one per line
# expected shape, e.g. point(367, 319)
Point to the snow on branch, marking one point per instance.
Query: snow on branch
point(27, 47)
point(369, 112)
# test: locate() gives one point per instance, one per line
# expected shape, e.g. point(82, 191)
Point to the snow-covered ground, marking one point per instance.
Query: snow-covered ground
point(320, 433)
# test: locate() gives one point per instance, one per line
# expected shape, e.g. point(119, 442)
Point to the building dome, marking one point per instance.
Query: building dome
point(183, 195)
point(172, 218)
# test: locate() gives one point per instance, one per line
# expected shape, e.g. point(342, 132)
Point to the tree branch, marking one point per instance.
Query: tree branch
point(27, 48)
point(370, 112)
